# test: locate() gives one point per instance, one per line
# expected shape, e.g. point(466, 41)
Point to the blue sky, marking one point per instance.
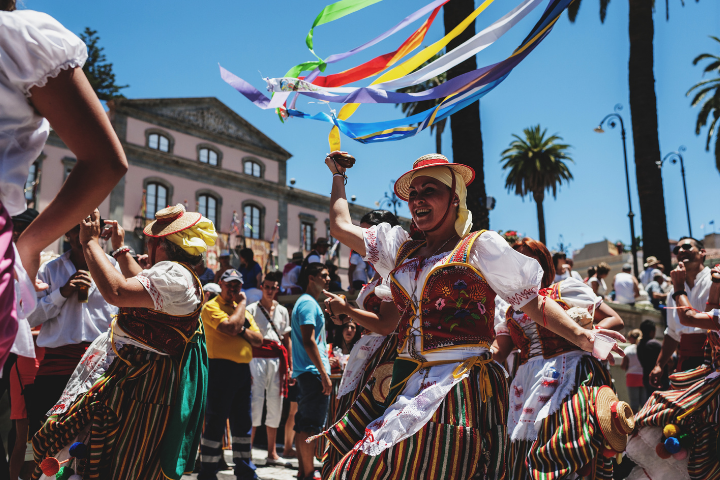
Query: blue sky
point(172, 48)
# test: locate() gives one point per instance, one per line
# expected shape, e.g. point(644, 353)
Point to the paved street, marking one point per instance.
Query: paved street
point(275, 472)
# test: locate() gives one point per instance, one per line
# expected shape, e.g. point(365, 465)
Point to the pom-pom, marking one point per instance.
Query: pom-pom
point(681, 454)
point(672, 445)
point(78, 450)
point(686, 440)
point(64, 473)
point(75, 477)
point(585, 470)
point(661, 452)
point(608, 453)
point(671, 430)
point(50, 466)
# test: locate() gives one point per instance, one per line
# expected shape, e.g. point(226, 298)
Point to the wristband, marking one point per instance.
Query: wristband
point(120, 250)
point(714, 280)
point(678, 293)
point(242, 332)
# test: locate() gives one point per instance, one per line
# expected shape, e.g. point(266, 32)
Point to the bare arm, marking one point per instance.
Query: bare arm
point(112, 285)
point(384, 324)
point(128, 265)
point(636, 287)
point(75, 113)
point(351, 270)
point(341, 226)
point(704, 320)
point(625, 363)
point(594, 286)
point(714, 295)
point(287, 342)
point(504, 346)
point(606, 317)
point(668, 348)
point(311, 348)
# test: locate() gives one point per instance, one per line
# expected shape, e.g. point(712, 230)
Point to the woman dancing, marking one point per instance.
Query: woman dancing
point(445, 413)
point(136, 407)
point(551, 368)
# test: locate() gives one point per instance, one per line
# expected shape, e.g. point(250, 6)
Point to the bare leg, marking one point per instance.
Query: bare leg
point(306, 452)
point(271, 438)
point(288, 451)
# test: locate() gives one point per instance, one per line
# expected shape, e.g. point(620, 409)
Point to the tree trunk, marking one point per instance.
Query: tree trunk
point(467, 144)
point(539, 197)
point(643, 111)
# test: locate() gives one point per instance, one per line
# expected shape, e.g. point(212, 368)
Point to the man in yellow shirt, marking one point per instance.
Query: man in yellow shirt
point(230, 333)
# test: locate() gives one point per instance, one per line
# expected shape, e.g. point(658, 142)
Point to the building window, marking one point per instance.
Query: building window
point(251, 221)
point(160, 142)
point(31, 185)
point(156, 198)
point(307, 232)
point(253, 168)
point(208, 156)
point(207, 207)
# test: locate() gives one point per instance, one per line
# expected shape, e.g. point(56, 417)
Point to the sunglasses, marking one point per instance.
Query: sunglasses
point(685, 246)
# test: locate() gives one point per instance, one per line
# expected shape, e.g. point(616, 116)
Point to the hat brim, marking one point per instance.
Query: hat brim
point(402, 185)
point(603, 402)
point(157, 229)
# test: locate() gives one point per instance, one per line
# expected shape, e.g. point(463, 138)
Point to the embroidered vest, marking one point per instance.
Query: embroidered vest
point(159, 330)
point(551, 344)
point(456, 304)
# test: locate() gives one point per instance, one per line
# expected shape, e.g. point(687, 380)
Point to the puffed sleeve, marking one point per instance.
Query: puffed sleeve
point(382, 243)
point(35, 47)
point(501, 307)
point(512, 275)
point(578, 294)
point(171, 287)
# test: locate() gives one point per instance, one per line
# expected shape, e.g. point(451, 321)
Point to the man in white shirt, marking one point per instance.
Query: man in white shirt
point(626, 286)
point(69, 325)
point(291, 273)
point(691, 288)
point(319, 249)
point(647, 275)
point(357, 272)
point(271, 366)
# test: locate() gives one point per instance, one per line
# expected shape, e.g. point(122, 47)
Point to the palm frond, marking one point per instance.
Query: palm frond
point(572, 10)
point(603, 9)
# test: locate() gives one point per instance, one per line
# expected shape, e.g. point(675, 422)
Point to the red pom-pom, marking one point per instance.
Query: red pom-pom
point(609, 453)
point(50, 466)
point(661, 451)
point(585, 471)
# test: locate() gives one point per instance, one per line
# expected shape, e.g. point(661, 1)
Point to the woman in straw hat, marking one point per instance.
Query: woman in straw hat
point(133, 408)
point(552, 368)
point(445, 413)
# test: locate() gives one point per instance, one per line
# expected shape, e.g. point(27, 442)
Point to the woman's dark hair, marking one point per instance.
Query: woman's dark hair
point(247, 255)
point(592, 271)
point(603, 269)
point(647, 327)
point(177, 254)
point(311, 269)
point(337, 335)
point(557, 256)
point(7, 5)
point(537, 250)
point(376, 217)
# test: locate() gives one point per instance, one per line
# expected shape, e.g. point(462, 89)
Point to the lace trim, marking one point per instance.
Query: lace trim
point(73, 63)
point(517, 300)
point(154, 293)
point(411, 264)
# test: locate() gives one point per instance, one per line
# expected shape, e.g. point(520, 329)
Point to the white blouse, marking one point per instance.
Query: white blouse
point(172, 288)
point(33, 48)
point(513, 276)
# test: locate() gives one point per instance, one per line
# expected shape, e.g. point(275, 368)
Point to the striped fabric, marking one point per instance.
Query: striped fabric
point(465, 438)
point(566, 447)
point(126, 412)
point(696, 410)
point(519, 452)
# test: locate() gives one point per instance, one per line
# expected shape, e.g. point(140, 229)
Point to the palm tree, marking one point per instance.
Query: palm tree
point(536, 164)
point(711, 105)
point(412, 108)
point(643, 110)
point(467, 142)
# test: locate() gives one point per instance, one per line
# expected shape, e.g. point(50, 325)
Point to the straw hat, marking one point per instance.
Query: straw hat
point(171, 220)
point(383, 379)
point(651, 261)
point(615, 418)
point(402, 186)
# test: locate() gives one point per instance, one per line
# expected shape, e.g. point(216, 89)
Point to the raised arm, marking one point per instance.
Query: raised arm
point(128, 265)
point(75, 113)
point(341, 226)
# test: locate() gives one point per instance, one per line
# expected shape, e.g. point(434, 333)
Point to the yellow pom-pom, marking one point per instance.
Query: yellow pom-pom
point(671, 430)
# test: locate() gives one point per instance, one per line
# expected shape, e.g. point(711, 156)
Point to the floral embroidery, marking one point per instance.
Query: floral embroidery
point(440, 304)
point(518, 390)
point(517, 407)
point(460, 285)
point(481, 307)
point(373, 253)
point(528, 411)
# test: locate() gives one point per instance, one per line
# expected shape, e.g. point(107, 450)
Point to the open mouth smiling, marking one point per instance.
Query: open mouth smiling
point(422, 212)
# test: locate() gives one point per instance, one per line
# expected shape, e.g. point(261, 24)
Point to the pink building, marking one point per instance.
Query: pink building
point(199, 152)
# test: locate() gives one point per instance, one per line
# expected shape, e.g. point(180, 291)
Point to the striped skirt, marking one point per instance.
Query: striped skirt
point(589, 373)
point(122, 419)
point(465, 437)
point(696, 410)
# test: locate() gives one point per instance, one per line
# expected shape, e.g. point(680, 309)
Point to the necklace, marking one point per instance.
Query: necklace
point(442, 246)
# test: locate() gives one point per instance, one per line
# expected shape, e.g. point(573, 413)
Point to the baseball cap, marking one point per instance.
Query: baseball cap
point(231, 275)
point(212, 288)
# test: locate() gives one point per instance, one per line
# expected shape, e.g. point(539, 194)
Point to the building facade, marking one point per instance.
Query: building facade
point(199, 152)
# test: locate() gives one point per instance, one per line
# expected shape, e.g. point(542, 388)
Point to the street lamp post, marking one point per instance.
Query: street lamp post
point(611, 121)
point(391, 200)
point(673, 157)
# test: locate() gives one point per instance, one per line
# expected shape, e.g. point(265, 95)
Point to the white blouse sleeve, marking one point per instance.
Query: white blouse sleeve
point(382, 243)
point(35, 47)
point(501, 307)
point(171, 287)
point(512, 275)
point(578, 294)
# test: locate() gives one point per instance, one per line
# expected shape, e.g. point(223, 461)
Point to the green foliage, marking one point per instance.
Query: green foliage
point(707, 95)
point(536, 163)
point(98, 71)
